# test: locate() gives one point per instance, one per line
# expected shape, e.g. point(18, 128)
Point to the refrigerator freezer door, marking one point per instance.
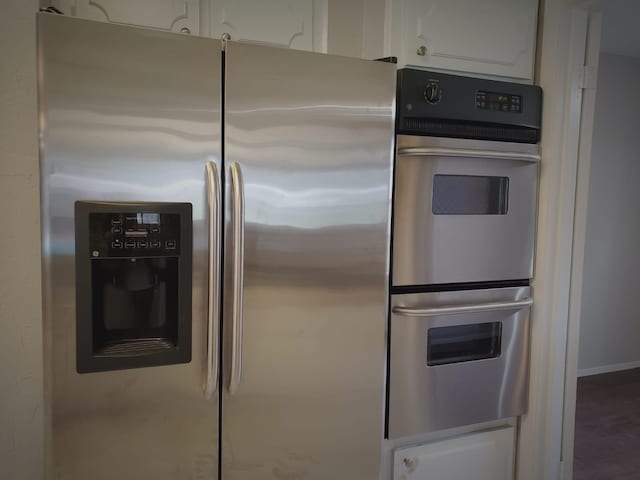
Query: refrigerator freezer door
point(126, 115)
point(308, 156)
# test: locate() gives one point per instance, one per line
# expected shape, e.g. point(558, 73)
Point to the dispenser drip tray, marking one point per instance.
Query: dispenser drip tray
point(135, 347)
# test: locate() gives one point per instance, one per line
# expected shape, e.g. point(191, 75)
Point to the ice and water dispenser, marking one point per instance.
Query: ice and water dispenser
point(133, 284)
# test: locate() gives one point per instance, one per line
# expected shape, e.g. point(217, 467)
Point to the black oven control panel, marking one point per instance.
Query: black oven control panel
point(443, 105)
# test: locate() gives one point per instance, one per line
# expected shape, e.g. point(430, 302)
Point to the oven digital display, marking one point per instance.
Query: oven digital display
point(502, 102)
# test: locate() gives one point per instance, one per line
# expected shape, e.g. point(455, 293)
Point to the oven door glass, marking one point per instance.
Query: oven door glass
point(469, 195)
point(463, 343)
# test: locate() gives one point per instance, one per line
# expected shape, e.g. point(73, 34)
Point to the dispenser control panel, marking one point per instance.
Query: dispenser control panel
point(129, 234)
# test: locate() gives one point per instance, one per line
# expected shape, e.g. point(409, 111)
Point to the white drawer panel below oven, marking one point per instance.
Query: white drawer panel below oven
point(479, 456)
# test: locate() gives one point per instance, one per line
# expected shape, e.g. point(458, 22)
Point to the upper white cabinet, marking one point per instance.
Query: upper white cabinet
point(491, 37)
point(479, 456)
point(298, 24)
point(170, 15)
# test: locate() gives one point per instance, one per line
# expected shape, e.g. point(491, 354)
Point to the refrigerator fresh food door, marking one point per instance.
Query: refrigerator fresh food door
point(308, 157)
point(130, 115)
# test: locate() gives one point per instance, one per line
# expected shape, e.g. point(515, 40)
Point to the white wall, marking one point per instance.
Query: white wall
point(610, 323)
point(21, 391)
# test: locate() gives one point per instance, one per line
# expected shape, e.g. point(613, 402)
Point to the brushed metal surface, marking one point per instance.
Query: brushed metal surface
point(313, 135)
point(433, 249)
point(126, 114)
point(426, 398)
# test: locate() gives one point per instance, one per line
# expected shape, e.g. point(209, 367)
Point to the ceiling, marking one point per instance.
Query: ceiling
point(620, 27)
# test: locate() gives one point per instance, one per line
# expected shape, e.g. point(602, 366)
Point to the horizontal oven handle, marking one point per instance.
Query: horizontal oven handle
point(466, 152)
point(457, 309)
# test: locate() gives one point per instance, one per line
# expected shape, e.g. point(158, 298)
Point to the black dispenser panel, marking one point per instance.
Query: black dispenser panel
point(133, 285)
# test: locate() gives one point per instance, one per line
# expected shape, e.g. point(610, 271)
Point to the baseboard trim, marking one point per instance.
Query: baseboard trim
point(585, 372)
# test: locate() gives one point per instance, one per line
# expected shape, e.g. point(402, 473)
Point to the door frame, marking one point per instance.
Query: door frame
point(568, 39)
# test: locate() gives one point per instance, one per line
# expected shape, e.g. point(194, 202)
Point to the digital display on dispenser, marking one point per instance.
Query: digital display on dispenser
point(148, 218)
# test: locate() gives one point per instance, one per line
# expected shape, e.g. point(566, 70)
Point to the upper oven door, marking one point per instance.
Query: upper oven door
point(464, 211)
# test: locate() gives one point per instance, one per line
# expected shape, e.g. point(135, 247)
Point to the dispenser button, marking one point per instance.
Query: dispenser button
point(129, 244)
point(170, 244)
point(142, 244)
point(116, 244)
point(155, 230)
point(116, 230)
point(155, 244)
point(116, 221)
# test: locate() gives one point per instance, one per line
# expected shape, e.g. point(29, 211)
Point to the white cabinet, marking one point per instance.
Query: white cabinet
point(170, 15)
point(298, 24)
point(479, 456)
point(490, 37)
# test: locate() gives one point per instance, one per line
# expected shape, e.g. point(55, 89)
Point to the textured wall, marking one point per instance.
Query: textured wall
point(610, 322)
point(21, 391)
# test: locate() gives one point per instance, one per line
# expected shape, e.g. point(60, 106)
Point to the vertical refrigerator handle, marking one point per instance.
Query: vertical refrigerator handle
point(213, 293)
point(237, 212)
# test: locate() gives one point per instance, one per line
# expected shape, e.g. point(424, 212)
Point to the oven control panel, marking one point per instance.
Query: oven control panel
point(437, 104)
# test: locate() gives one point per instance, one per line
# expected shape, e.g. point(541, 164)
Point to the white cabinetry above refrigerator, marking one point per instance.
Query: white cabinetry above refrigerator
point(169, 15)
point(491, 37)
point(296, 24)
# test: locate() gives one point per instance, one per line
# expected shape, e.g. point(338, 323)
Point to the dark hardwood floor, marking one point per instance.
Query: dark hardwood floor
point(607, 441)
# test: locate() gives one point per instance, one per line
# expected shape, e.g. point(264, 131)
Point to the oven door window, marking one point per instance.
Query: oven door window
point(463, 343)
point(470, 195)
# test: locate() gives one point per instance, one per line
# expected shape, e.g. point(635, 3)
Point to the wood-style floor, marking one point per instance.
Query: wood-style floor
point(607, 441)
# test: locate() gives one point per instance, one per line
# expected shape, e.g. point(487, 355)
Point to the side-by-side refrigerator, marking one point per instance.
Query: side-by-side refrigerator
point(215, 234)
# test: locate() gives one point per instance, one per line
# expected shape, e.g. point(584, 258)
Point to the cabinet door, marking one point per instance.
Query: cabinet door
point(493, 37)
point(169, 15)
point(480, 456)
point(297, 24)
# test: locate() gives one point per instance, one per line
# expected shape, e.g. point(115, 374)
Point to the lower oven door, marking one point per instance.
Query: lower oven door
point(464, 211)
point(457, 358)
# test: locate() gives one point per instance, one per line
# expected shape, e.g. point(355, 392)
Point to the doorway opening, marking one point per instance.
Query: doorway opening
point(607, 407)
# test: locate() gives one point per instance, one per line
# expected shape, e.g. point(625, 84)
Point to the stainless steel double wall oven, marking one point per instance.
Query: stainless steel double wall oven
point(463, 239)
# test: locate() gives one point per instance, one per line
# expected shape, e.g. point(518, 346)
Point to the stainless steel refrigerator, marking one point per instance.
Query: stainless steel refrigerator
point(215, 234)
